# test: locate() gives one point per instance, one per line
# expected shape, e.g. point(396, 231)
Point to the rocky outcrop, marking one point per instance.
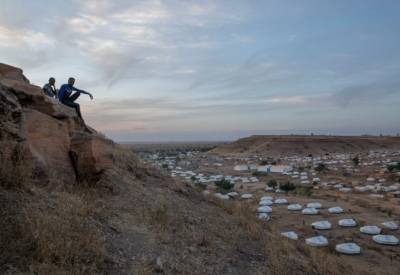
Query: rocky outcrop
point(60, 146)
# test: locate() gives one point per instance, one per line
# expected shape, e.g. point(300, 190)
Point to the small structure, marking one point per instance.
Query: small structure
point(290, 235)
point(386, 239)
point(281, 201)
point(294, 207)
point(315, 205)
point(266, 203)
point(310, 211)
point(335, 210)
point(246, 196)
point(263, 216)
point(241, 168)
point(348, 248)
point(264, 209)
point(317, 241)
point(274, 168)
point(347, 223)
point(392, 225)
point(322, 225)
point(370, 230)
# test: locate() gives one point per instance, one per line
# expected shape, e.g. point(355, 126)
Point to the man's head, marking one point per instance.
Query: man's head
point(71, 81)
point(52, 81)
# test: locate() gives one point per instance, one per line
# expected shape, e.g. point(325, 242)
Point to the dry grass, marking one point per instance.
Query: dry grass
point(66, 237)
point(43, 230)
point(55, 234)
point(15, 167)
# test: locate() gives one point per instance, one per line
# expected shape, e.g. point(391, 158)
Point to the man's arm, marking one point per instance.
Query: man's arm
point(82, 91)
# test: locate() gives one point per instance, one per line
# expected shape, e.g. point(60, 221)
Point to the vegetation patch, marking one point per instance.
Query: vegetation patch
point(224, 185)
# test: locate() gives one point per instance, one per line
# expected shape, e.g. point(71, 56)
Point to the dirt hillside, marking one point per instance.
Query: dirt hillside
point(305, 145)
point(74, 202)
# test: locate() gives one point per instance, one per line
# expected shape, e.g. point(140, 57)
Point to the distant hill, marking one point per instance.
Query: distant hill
point(305, 145)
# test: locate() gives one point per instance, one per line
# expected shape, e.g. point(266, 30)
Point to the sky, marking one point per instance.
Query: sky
point(215, 70)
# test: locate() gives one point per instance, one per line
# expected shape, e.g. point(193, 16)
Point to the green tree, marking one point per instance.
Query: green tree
point(224, 185)
point(356, 160)
point(272, 183)
point(287, 186)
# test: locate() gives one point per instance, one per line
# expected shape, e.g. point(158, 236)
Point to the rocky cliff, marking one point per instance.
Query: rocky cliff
point(60, 147)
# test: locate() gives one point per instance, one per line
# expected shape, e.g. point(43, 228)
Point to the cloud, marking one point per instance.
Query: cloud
point(14, 37)
point(85, 24)
point(287, 100)
point(366, 93)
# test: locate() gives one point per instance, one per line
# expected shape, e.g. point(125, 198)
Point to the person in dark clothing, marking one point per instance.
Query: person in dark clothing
point(67, 98)
point(50, 89)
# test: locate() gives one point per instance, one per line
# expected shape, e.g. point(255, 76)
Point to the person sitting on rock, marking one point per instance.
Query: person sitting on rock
point(67, 98)
point(50, 89)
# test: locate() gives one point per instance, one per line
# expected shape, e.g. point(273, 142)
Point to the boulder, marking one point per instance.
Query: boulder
point(60, 146)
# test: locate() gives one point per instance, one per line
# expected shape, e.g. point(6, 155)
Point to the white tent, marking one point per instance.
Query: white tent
point(370, 230)
point(290, 235)
point(315, 205)
point(348, 248)
point(263, 216)
point(386, 239)
point(294, 207)
point(347, 223)
point(268, 198)
point(266, 203)
point(317, 241)
point(233, 194)
point(322, 225)
point(310, 211)
point(281, 201)
point(241, 168)
point(264, 209)
point(221, 196)
point(335, 210)
point(392, 225)
point(246, 196)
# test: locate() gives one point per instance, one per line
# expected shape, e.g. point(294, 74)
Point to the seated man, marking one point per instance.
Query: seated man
point(67, 98)
point(50, 89)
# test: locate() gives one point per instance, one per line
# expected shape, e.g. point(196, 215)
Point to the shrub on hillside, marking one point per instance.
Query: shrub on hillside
point(394, 167)
point(320, 167)
point(288, 186)
point(356, 160)
point(272, 183)
point(224, 184)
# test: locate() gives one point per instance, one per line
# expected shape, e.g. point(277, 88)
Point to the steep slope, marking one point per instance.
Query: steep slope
point(73, 202)
point(305, 145)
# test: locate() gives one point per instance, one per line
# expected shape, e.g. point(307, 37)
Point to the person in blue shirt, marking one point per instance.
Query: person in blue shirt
point(67, 98)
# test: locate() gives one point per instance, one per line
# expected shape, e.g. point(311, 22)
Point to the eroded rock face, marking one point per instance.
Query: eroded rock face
point(61, 147)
